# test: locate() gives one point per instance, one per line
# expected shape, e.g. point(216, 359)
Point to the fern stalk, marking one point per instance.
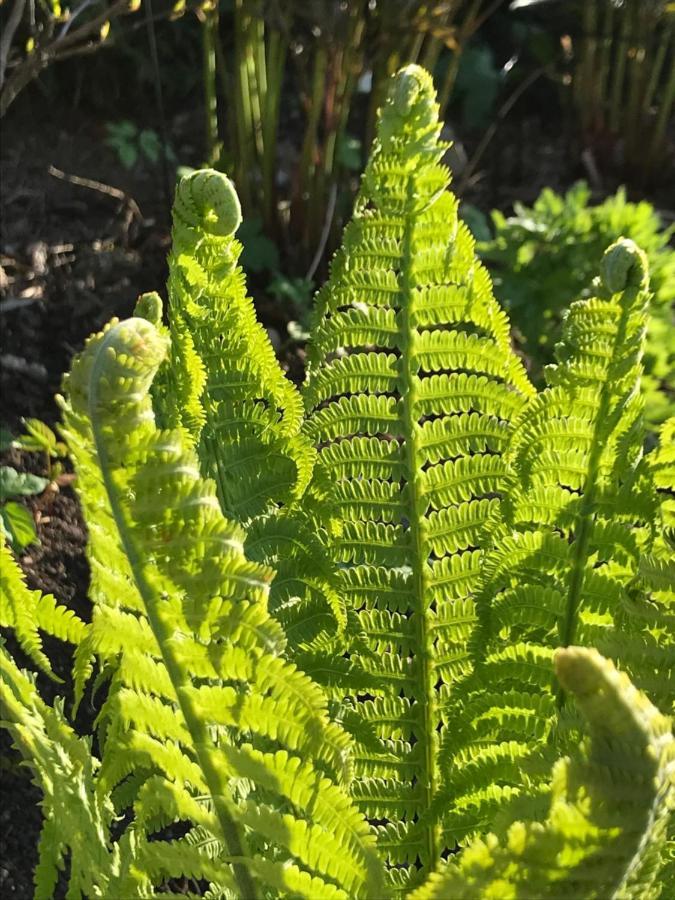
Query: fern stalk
point(209, 66)
point(419, 553)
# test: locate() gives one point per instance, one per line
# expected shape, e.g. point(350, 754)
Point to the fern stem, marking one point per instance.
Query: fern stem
point(417, 542)
point(204, 747)
point(621, 53)
point(657, 139)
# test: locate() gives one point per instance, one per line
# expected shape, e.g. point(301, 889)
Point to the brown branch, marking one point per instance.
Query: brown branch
point(99, 186)
point(60, 48)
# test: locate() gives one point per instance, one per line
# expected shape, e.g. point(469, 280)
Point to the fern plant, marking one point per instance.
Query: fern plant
point(601, 837)
point(431, 435)
point(565, 552)
point(411, 393)
point(333, 647)
point(181, 631)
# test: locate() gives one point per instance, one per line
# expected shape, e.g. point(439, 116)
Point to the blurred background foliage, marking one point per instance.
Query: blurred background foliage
point(545, 256)
point(282, 94)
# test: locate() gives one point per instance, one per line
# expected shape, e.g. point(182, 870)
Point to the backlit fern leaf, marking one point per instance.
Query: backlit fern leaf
point(244, 411)
point(29, 612)
point(76, 818)
point(662, 465)
point(411, 392)
point(240, 410)
point(567, 545)
point(608, 812)
point(214, 725)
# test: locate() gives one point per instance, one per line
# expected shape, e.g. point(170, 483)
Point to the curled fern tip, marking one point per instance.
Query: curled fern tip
point(206, 199)
point(149, 306)
point(576, 669)
point(410, 113)
point(624, 264)
point(411, 85)
point(138, 338)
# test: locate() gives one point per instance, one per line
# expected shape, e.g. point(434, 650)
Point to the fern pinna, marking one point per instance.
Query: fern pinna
point(411, 393)
point(28, 612)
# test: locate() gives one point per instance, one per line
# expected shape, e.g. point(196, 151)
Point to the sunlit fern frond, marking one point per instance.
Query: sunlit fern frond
point(204, 720)
point(566, 547)
point(662, 465)
point(411, 392)
point(223, 382)
point(609, 807)
point(29, 612)
point(77, 818)
point(239, 406)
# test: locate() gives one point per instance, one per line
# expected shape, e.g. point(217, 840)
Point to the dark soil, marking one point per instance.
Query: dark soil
point(72, 256)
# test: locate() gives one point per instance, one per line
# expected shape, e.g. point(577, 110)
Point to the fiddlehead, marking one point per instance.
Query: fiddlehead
point(604, 830)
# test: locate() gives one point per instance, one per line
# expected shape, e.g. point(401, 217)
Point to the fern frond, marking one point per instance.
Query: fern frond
point(566, 546)
point(200, 697)
point(609, 806)
point(29, 612)
point(411, 392)
point(239, 405)
point(76, 818)
point(240, 411)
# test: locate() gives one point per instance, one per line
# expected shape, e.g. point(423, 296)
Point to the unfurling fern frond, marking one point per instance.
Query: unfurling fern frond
point(608, 812)
point(411, 393)
point(29, 612)
point(225, 385)
point(643, 637)
point(205, 721)
point(231, 393)
point(566, 549)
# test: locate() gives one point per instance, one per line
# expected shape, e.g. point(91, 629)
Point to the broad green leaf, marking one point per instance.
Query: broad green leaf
point(19, 484)
point(18, 526)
